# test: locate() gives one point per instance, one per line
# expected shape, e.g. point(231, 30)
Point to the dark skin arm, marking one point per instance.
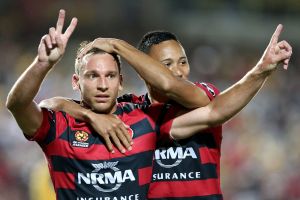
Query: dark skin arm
point(235, 98)
point(154, 73)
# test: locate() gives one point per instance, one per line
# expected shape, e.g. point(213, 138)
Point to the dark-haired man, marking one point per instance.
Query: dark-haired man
point(181, 166)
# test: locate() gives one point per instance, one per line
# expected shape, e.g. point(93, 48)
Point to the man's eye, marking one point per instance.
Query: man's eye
point(167, 64)
point(91, 76)
point(111, 76)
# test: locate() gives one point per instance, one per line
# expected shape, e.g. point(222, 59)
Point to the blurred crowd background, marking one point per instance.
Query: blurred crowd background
point(223, 40)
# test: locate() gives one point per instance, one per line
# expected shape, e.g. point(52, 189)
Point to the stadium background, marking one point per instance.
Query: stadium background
point(223, 40)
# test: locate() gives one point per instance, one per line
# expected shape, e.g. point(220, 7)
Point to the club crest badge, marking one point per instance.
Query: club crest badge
point(81, 138)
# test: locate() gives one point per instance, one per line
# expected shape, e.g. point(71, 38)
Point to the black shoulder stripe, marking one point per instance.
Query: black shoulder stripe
point(52, 130)
point(161, 117)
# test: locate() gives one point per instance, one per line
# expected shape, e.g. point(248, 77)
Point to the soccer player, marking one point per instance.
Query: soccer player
point(80, 165)
point(178, 164)
point(182, 166)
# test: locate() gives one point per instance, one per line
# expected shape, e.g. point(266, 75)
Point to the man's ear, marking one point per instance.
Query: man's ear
point(75, 82)
point(121, 83)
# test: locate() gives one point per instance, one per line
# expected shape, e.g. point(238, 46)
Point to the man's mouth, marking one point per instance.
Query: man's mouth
point(102, 98)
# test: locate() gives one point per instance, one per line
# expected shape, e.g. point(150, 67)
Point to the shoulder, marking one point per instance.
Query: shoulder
point(129, 107)
point(133, 98)
point(211, 90)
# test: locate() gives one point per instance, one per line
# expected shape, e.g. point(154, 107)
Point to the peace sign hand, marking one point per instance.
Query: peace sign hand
point(276, 52)
point(53, 45)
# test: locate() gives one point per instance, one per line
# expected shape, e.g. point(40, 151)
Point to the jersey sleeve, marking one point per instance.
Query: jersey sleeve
point(164, 121)
point(47, 127)
point(210, 90)
point(131, 98)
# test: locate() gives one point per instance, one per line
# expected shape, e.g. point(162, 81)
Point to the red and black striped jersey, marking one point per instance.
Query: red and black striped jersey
point(190, 168)
point(80, 165)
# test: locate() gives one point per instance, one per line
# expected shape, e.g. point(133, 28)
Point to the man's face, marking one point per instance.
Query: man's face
point(99, 82)
point(172, 55)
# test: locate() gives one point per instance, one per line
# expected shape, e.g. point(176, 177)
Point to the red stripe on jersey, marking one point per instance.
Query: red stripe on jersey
point(63, 180)
point(141, 144)
point(145, 175)
point(208, 155)
point(194, 188)
point(61, 123)
point(135, 116)
point(41, 133)
point(63, 148)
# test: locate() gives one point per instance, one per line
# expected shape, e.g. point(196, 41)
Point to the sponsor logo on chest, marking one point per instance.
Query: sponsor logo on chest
point(173, 156)
point(106, 177)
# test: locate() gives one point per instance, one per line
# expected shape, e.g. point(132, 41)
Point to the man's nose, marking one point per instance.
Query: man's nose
point(102, 84)
point(176, 71)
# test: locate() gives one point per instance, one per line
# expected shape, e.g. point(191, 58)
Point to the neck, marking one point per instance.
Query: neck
point(111, 110)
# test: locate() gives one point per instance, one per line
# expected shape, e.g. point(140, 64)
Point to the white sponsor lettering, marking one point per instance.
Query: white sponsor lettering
point(80, 144)
point(106, 173)
point(174, 153)
point(106, 178)
point(177, 154)
point(129, 197)
point(176, 176)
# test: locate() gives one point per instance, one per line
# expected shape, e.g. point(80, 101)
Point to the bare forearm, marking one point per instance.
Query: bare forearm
point(232, 100)
point(222, 108)
point(236, 97)
point(20, 99)
point(149, 69)
point(26, 87)
point(68, 106)
point(161, 78)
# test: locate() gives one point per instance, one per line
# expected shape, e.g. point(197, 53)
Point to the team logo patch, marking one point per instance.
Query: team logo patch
point(81, 138)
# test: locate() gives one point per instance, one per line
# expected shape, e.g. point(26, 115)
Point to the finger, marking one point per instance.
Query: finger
point(285, 45)
point(108, 144)
point(59, 43)
point(60, 21)
point(286, 64)
point(123, 139)
point(116, 141)
point(48, 42)
point(42, 47)
point(52, 35)
point(124, 129)
point(276, 34)
point(283, 55)
point(286, 61)
point(88, 47)
point(71, 28)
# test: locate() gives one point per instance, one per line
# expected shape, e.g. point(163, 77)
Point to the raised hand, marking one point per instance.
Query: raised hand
point(105, 44)
point(53, 45)
point(276, 52)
